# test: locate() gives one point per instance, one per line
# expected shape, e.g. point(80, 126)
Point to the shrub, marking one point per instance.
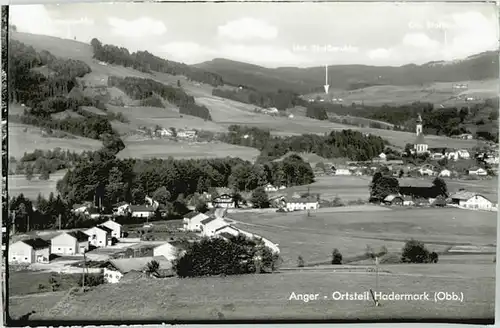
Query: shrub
point(414, 251)
point(218, 256)
point(300, 262)
point(92, 280)
point(433, 257)
point(152, 267)
point(336, 257)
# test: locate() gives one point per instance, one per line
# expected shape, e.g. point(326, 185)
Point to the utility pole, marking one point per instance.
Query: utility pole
point(84, 268)
point(60, 219)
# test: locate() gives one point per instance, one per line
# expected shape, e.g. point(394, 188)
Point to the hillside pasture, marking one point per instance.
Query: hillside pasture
point(18, 184)
point(164, 117)
point(218, 298)
point(26, 138)
point(351, 229)
point(227, 112)
point(164, 148)
point(436, 93)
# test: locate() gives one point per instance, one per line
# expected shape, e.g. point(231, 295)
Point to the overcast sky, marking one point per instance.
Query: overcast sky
point(276, 34)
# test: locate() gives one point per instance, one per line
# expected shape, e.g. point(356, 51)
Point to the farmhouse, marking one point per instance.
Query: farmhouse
point(192, 221)
point(70, 243)
point(116, 228)
point(340, 170)
point(186, 134)
point(224, 201)
point(463, 154)
point(93, 213)
point(99, 236)
point(34, 250)
point(421, 192)
point(168, 250)
point(477, 171)
point(121, 208)
point(114, 270)
point(471, 200)
point(229, 231)
point(80, 208)
point(393, 200)
point(307, 203)
point(209, 226)
point(141, 211)
point(408, 201)
point(270, 188)
point(445, 173)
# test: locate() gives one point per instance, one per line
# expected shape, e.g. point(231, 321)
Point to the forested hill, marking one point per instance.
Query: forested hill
point(147, 62)
point(304, 80)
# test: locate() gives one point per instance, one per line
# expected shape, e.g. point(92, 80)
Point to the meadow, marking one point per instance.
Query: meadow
point(351, 229)
point(224, 112)
point(26, 138)
point(268, 297)
point(164, 148)
point(18, 184)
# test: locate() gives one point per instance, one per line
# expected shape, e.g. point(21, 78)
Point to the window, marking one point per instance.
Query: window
point(58, 249)
point(13, 257)
point(70, 249)
point(26, 258)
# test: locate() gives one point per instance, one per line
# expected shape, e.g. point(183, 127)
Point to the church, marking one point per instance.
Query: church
point(420, 146)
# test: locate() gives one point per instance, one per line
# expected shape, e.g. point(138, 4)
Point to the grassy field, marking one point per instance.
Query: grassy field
point(162, 148)
point(437, 93)
point(224, 112)
point(350, 188)
point(25, 138)
point(315, 237)
point(268, 297)
point(18, 184)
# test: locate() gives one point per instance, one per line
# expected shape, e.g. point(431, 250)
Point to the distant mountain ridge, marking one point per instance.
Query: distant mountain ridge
point(304, 80)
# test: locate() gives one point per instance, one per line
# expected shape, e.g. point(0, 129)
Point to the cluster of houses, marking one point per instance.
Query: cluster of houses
point(461, 199)
point(67, 243)
point(212, 224)
point(161, 132)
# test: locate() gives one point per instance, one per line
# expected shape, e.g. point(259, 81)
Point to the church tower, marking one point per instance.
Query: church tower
point(420, 145)
point(419, 125)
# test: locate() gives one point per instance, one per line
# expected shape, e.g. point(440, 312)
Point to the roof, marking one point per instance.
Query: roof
point(302, 200)
point(114, 222)
point(120, 204)
point(191, 215)
point(228, 226)
point(75, 206)
point(141, 208)
point(138, 263)
point(36, 243)
point(80, 236)
point(420, 139)
point(105, 228)
point(206, 221)
point(465, 195)
point(226, 235)
point(476, 169)
point(390, 198)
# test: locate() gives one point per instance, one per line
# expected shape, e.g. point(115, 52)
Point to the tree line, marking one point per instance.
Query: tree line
point(147, 62)
point(346, 143)
point(114, 180)
point(142, 89)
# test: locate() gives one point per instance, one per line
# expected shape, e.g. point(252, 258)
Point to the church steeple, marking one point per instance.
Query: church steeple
point(419, 125)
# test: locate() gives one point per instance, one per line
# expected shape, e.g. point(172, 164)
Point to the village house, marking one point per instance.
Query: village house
point(393, 200)
point(463, 154)
point(34, 250)
point(408, 201)
point(164, 132)
point(340, 170)
point(141, 211)
point(270, 188)
point(70, 243)
point(210, 225)
point(445, 173)
point(192, 221)
point(186, 134)
point(477, 171)
point(121, 209)
point(116, 269)
point(426, 170)
point(168, 250)
point(93, 213)
point(229, 231)
point(223, 201)
point(471, 200)
point(99, 236)
point(297, 204)
point(80, 208)
point(116, 228)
